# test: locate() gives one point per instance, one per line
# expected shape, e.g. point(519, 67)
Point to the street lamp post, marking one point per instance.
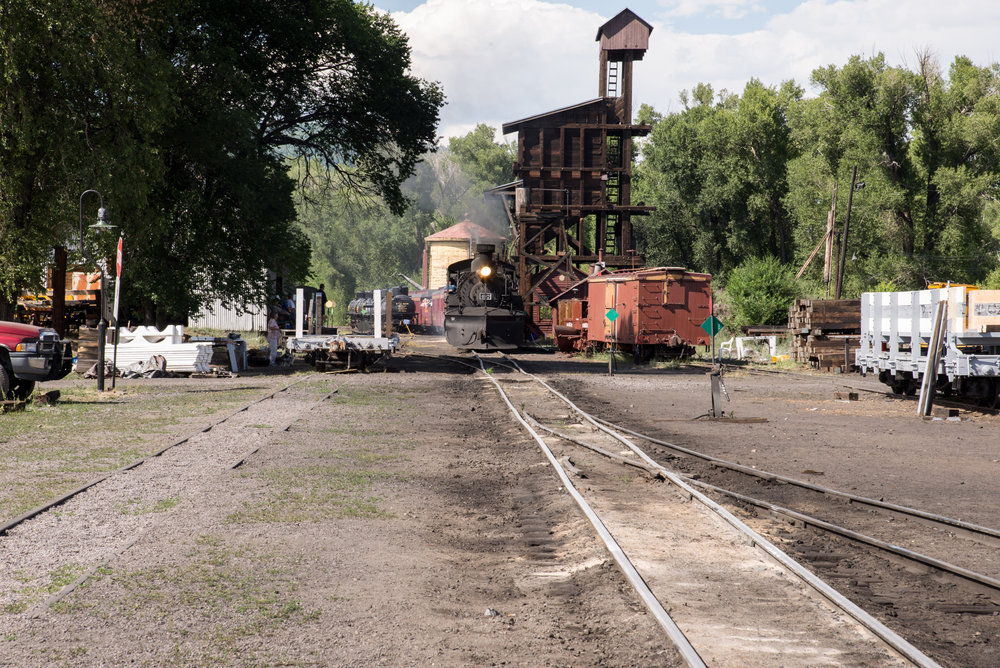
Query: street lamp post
point(102, 326)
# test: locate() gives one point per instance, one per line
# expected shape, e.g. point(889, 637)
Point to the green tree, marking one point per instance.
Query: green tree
point(717, 174)
point(257, 81)
point(921, 148)
point(182, 113)
point(76, 102)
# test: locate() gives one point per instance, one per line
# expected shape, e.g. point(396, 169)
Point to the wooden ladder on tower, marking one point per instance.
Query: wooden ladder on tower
point(613, 72)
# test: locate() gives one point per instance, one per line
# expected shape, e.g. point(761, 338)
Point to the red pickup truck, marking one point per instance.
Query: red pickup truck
point(30, 354)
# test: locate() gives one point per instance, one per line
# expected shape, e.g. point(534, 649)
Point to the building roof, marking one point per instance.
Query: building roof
point(513, 126)
point(466, 230)
point(632, 38)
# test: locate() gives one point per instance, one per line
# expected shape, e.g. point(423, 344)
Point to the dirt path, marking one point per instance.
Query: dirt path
point(405, 521)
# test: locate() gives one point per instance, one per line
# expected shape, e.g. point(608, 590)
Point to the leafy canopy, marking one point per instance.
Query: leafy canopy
point(183, 113)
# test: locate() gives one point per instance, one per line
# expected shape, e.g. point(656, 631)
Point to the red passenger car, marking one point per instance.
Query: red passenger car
point(429, 317)
point(659, 311)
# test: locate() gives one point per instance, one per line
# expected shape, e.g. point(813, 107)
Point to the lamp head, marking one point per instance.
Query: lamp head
point(102, 221)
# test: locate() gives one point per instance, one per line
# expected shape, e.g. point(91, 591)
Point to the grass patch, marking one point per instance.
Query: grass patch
point(230, 594)
point(37, 589)
point(313, 494)
point(137, 507)
point(47, 451)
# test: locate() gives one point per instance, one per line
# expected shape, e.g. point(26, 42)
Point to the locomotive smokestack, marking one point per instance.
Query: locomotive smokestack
point(483, 262)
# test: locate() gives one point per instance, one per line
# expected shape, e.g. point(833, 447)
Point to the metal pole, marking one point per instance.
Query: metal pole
point(118, 325)
point(847, 224)
point(711, 321)
point(102, 336)
point(102, 327)
point(933, 357)
point(614, 334)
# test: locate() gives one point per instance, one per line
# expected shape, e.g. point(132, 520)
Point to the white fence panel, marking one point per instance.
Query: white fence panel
point(220, 316)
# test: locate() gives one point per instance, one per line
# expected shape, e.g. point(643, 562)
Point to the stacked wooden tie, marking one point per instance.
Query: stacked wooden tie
point(86, 349)
point(825, 332)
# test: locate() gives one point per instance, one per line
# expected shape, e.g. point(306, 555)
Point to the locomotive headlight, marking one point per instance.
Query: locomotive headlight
point(485, 271)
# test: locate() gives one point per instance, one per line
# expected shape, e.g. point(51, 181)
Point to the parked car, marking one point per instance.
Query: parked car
point(30, 354)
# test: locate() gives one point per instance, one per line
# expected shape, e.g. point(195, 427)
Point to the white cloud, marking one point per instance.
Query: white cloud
point(502, 60)
point(726, 9)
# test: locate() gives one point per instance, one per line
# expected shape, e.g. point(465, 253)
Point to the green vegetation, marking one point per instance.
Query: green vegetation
point(314, 493)
point(217, 583)
point(36, 591)
point(759, 292)
point(184, 114)
point(741, 178)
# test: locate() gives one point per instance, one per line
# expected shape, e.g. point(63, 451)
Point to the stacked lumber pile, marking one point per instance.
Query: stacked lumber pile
point(86, 349)
point(825, 333)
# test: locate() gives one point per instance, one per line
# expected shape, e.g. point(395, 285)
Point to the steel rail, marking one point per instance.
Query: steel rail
point(34, 512)
point(964, 574)
point(974, 530)
point(957, 572)
point(684, 647)
point(888, 636)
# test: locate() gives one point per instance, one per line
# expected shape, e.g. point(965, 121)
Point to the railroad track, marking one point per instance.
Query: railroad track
point(689, 554)
point(91, 529)
point(933, 576)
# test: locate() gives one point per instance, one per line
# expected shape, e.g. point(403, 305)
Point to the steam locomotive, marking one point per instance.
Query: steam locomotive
point(361, 310)
point(483, 310)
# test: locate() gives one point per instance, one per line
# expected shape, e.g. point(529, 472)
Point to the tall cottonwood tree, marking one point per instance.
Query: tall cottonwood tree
point(716, 173)
point(219, 92)
point(76, 101)
point(258, 81)
point(751, 176)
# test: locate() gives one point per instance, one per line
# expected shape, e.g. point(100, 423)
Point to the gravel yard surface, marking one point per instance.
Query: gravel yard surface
point(403, 521)
point(397, 518)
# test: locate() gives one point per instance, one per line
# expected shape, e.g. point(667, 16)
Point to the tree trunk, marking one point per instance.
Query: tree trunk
point(6, 307)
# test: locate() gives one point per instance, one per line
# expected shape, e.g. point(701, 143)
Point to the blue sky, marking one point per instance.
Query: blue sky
point(502, 60)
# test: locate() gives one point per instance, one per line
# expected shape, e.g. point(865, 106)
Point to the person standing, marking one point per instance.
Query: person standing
point(321, 305)
point(273, 336)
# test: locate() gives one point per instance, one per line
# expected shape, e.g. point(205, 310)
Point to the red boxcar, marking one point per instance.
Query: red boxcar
point(660, 311)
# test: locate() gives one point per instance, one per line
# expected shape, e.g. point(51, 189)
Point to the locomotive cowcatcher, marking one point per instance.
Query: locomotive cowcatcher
point(483, 310)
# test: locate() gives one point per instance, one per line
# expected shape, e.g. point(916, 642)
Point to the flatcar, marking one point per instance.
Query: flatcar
point(361, 310)
point(896, 332)
point(651, 311)
point(482, 309)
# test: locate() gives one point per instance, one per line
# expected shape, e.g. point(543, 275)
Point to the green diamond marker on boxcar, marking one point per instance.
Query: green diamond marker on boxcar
point(611, 315)
point(712, 326)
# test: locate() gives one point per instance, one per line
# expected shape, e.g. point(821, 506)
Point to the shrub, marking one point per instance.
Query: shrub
point(759, 292)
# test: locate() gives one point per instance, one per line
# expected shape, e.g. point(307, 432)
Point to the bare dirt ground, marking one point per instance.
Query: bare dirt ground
point(406, 520)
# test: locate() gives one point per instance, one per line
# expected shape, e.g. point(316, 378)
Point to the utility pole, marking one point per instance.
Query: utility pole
point(847, 225)
point(831, 222)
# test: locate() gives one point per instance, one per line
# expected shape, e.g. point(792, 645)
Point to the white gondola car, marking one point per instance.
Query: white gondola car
point(896, 328)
